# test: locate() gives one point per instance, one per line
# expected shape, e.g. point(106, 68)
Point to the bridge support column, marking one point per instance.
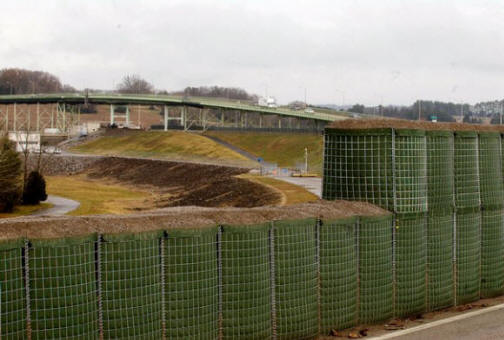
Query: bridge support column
point(112, 112)
point(222, 118)
point(260, 120)
point(15, 117)
point(165, 111)
point(184, 117)
point(279, 122)
point(127, 115)
point(237, 119)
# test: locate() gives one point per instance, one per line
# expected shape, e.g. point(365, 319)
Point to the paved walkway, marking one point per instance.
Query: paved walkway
point(61, 206)
point(312, 184)
point(487, 323)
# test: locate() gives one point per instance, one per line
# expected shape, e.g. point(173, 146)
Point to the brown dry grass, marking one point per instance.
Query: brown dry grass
point(356, 124)
point(177, 218)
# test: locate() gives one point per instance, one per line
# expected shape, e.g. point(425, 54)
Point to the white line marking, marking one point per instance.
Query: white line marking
point(438, 323)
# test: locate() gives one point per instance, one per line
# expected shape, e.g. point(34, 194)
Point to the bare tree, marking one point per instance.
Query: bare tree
point(20, 81)
point(135, 84)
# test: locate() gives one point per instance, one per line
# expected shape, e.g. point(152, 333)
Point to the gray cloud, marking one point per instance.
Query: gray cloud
point(365, 51)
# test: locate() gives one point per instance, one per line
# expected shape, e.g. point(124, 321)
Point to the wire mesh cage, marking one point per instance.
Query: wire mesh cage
point(440, 176)
point(358, 166)
point(338, 273)
point(490, 170)
point(492, 253)
point(440, 238)
point(385, 167)
point(63, 295)
point(131, 291)
point(13, 312)
point(375, 269)
point(191, 284)
point(410, 263)
point(467, 185)
point(296, 282)
point(246, 282)
point(468, 255)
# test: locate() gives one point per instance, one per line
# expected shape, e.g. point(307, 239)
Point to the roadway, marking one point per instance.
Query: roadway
point(118, 99)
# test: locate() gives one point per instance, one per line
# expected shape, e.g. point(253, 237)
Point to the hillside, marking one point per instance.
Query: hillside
point(174, 145)
point(284, 149)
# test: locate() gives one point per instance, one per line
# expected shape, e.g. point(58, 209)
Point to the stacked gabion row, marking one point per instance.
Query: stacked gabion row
point(446, 190)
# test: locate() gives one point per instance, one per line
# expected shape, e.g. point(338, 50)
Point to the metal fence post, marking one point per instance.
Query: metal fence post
point(272, 280)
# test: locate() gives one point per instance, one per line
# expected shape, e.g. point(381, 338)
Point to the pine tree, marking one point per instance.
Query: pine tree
point(10, 176)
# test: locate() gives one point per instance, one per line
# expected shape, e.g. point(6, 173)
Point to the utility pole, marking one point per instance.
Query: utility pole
point(306, 160)
point(419, 109)
point(502, 109)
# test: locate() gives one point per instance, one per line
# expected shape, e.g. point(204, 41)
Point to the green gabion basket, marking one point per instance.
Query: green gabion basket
point(246, 282)
point(440, 237)
point(468, 255)
point(385, 167)
point(376, 299)
point(131, 286)
point(63, 294)
point(440, 176)
point(467, 187)
point(410, 263)
point(296, 283)
point(358, 166)
point(191, 284)
point(338, 274)
point(492, 253)
point(13, 298)
point(490, 170)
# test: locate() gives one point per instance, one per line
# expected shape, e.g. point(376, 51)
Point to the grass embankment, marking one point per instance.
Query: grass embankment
point(24, 210)
point(95, 197)
point(176, 145)
point(284, 149)
point(291, 193)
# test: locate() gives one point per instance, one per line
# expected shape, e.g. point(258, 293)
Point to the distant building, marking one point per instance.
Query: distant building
point(268, 102)
point(26, 141)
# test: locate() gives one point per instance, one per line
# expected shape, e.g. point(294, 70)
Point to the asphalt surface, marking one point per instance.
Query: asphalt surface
point(483, 324)
point(61, 206)
point(312, 184)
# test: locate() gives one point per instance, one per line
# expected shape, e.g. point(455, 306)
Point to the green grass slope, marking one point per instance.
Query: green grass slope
point(175, 145)
point(284, 149)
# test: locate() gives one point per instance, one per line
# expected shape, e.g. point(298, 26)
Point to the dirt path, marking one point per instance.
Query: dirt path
point(61, 206)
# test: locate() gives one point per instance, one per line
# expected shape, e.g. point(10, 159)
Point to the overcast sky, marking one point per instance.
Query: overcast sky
point(370, 52)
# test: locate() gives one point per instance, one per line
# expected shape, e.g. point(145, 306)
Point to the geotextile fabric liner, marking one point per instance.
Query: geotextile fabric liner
point(191, 284)
point(385, 167)
point(296, 282)
point(492, 253)
point(467, 184)
point(468, 255)
point(246, 282)
point(440, 176)
point(13, 311)
point(338, 274)
point(440, 285)
point(63, 295)
point(410, 263)
point(131, 285)
point(375, 269)
point(490, 170)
